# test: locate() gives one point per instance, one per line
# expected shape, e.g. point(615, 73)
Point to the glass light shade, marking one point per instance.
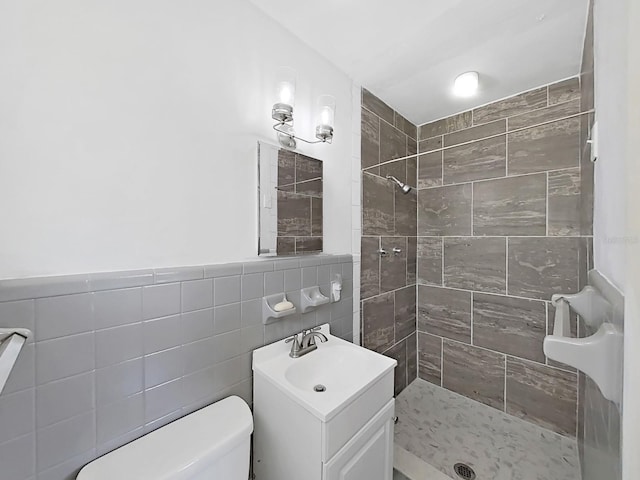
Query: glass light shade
point(326, 110)
point(286, 86)
point(466, 85)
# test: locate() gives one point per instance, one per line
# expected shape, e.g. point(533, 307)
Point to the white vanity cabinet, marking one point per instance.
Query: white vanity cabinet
point(344, 433)
point(369, 454)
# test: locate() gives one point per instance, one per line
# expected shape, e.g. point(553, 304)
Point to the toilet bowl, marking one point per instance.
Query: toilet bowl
point(212, 443)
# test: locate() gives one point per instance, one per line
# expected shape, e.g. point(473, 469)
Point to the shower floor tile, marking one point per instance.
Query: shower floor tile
point(443, 428)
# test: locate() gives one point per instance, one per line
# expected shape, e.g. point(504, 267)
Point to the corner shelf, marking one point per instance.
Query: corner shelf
point(269, 315)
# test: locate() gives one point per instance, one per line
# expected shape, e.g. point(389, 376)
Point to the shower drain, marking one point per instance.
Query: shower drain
point(464, 471)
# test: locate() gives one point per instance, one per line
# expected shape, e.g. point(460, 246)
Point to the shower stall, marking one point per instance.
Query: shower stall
point(469, 225)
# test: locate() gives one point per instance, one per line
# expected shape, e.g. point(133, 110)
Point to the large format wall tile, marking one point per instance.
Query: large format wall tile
point(430, 170)
point(377, 207)
point(412, 259)
point(475, 264)
point(398, 169)
point(474, 372)
point(405, 312)
point(393, 142)
point(510, 206)
point(554, 112)
point(393, 267)
point(509, 325)
point(511, 106)
point(446, 125)
point(412, 357)
point(405, 210)
point(547, 147)
point(369, 267)
point(445, 312)
point(445, 210)
point(377, 106)
point(475, 161)
point(430, 144)
point(412, 171)
point(475, 133)
point(399, 353)
point(543, 395)
point(540, 267)
point(429, 357)
point(406, 126)
point(369, 139)
point(378, 322)
point(430, 260)
point(564, 91)
point(564, 202)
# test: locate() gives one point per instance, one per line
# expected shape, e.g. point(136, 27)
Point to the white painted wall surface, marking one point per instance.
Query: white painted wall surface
point(128, 132)
point(631, 417)
point(610, 239)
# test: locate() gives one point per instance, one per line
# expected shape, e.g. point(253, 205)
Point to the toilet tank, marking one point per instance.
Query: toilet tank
point(210, 444)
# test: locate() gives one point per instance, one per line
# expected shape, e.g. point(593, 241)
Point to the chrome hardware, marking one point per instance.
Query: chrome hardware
point(307, 342)
point(295, 346)
point(309, 339)
point(396, 251)
point(382, 252)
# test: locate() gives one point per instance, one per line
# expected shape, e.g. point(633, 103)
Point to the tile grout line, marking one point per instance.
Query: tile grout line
point(517, 130)
point(442, 362)
point(503, 354)
point(472, 322)
point(480, 180)
point(506, 261)
point(505, 384)
point(546, 200)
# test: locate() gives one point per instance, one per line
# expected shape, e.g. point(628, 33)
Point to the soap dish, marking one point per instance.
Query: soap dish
point(269, 315)
point(311, 298)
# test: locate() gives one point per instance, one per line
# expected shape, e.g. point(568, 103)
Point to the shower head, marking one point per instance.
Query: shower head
point(405, 188)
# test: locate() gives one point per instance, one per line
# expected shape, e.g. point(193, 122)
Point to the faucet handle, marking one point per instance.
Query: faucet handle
point(295, 347)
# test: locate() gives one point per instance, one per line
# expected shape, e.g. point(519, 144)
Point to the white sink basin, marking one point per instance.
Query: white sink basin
point(344, 370)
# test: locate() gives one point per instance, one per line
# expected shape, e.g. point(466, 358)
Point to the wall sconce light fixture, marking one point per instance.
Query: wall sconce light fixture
point(282, 112)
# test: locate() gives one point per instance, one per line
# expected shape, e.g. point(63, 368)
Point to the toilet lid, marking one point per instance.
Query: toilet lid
point(179, 449)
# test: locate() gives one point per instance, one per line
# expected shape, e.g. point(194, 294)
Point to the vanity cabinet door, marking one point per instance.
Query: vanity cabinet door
point(369, 455)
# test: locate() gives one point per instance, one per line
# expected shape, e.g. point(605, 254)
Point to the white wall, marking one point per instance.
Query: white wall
point(610, 239)
point(631, 417)
point(128, 132)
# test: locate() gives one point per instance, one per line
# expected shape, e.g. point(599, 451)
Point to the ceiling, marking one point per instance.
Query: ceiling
point(408, 52)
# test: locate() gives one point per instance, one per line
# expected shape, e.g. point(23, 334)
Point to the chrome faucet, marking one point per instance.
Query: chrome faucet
point(307, 342)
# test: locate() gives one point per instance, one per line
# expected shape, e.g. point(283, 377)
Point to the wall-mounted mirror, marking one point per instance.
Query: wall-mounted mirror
point(290, 202)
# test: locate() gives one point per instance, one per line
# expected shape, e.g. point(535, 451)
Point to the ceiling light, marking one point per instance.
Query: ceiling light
point(466, 84)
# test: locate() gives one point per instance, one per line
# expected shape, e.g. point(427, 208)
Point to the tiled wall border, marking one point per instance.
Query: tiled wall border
point(117, 355)
point(37, 287)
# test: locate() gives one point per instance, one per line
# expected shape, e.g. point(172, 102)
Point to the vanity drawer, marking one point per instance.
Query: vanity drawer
point(341, 428)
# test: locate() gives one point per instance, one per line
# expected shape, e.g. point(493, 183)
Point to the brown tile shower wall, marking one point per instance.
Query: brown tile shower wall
point(599, 420)
point(299, 204)
point(388, 283)
point(504, 221)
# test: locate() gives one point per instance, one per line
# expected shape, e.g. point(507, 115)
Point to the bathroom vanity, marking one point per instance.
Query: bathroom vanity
point(325, 416)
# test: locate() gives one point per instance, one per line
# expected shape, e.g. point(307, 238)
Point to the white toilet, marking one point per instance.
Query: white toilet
point(210, 444)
